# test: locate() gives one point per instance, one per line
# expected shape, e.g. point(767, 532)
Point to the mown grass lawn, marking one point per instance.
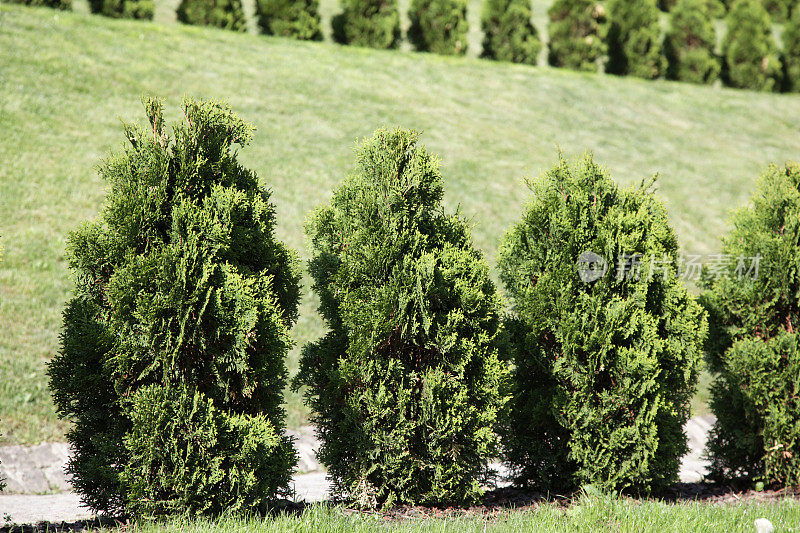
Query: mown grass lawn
point(589, 515)
point(66, 79)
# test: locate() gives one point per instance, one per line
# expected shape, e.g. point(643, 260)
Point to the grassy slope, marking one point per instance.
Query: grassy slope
point(66, 80)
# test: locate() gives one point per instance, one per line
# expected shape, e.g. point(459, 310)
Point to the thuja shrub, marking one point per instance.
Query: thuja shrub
point(56, 4)
point(438, 26)
point(791, 53)
point(225, 14)
point(634, 39)
point(508, 34)
point(577, 32)
point(690, 42)
point(754, 314)
point(171, 365)
point(605, 360)
point(371, 23)
point(404, 387)
point(750, 52)
point(130, 9)
point(289, 18)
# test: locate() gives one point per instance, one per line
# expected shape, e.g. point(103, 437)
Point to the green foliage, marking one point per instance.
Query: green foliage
point(753, 346)
point(182, 304)
point(129, 9)
point(57, 4)
point(750, 52)
point(290, 18)
point(634, 39)
point(690, 42)
point(603, 370)
point(779, 10)
point(791, 53)
point(225, 14)
point(438, 26)
point(187, 457)
point(404, 387)
point(508, 34)
point(577, 33)
point(372, 23)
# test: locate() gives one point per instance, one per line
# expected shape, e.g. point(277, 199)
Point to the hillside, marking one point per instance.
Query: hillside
point(67, 78)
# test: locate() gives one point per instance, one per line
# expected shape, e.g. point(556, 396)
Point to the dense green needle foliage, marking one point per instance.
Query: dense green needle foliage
point(371, 23)
point(404, 387)
point(225, 14)
point(290, 18)
point(753, 346)
point(508, 34)
point(171, 366)
point(604, 369)
point(438, 26)
point(791, 53)
point(750, 53)
point(634, 39)
point(57, 4)
point(780, 10)
point(690, 42)
point(577, 33)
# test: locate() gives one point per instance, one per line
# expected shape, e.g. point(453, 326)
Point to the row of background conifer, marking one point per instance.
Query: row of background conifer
point(622, 37)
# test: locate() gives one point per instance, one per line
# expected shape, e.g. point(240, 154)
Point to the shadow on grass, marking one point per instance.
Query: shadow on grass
point(494, 502)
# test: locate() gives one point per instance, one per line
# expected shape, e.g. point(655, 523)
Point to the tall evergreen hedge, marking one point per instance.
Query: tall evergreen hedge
point(128, 9)
point(438, 26)
point(290, 18)
point(370, 23)
point(754, 312)
point(56, 4)
point(634, 39)
point(604, 365)
point(690, 43)
point(791, 53)
point(404, 386)
point(750, 52)
point(171, 365)
point(577, 32)
point(225, 14)
point(508, 34)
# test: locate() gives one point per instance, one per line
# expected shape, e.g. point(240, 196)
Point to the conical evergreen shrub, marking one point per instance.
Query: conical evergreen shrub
point(225, 14)
point(577, 32)
point(634, 39)
point(171, 366)
point(56, 4)
point(438, 26)
point(370, 23)
point(126, 9)
point(404, 387)
point(604, 339)
point(508, 34)
point(754, 314)
point(750, 52)
point(290, 18)
point(791, 53)
point(690, 42)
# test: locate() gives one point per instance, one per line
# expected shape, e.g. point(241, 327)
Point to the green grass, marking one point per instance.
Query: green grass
point(590, 515)
point(67, 78)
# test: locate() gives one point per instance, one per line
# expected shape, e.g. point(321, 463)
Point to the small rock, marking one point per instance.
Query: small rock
point(764, 526)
